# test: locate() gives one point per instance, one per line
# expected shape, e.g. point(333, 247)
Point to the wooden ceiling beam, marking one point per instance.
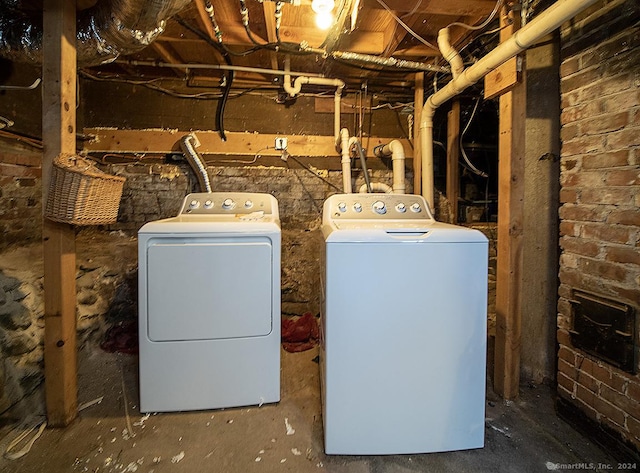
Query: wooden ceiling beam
point(269, 10)
point(203, 19)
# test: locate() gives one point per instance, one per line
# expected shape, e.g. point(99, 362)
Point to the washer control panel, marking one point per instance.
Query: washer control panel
point(228, 203)
point(377, 206)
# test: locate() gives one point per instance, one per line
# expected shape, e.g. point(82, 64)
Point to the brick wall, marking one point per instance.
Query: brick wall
point(600, 200)
point(20, 195)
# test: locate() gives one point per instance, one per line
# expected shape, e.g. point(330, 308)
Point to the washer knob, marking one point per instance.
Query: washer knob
point(194, 204)
point(379, 207)
point(416, 207)
point(357, 207)
point(228, 204)
point(342, 207)
point(401, 208)
point(248, 204)
point(208, 204)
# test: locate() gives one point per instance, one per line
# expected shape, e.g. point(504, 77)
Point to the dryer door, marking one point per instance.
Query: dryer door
point(203, 289)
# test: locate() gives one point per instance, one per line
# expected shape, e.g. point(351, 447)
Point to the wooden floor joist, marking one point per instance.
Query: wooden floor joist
point(59, 136)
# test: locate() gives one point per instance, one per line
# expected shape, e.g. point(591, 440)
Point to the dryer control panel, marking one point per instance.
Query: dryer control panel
point(229, 203)
point(340, 207)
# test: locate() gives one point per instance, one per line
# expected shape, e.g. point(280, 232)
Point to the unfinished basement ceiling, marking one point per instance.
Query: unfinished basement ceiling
point(374, 29)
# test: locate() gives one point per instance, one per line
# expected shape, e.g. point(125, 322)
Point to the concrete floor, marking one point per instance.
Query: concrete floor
point(112, 436)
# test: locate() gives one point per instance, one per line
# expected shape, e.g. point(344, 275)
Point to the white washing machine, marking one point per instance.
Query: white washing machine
point(209, 304)
point(403, 328)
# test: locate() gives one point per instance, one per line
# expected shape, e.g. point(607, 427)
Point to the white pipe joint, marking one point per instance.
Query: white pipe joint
point(394, 149)
point(380, 187)
point(449, 53)
point(346, 161)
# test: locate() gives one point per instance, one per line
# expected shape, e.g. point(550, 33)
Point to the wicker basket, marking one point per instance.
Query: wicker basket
point(81, 194)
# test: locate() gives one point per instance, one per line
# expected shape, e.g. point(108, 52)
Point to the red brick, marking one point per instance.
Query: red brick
point(582, 179)
point(624, 100)
point(609, 233)
point(623, 177)
point(579, 247)
point(622, 139)
point(579, 79)
point(565, 382)
point(633, 390)
point(623, 255)
point(568, 228)
point(566, 354)
point(567, 369)
point(605, 123)
point(622, 402)
point(583, 145)
point(563, 337)
point(606, 159)
point(603, 269)
point(586, 396)
point(625, 217)
point(583, 213)
point(569, 132)
point(568, 67)
point(568, 196)
point(633, 426)
point(609, 195)
point(587, 381)
point(610, 411)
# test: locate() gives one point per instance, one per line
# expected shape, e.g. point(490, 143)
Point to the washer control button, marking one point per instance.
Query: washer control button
point(357, 207)
point(248, 204)
point(415, 207)
point(342, 207)
point(194, 204)
point(379, 207)
point(208, 204)
point(401, 208)
point(228, 204)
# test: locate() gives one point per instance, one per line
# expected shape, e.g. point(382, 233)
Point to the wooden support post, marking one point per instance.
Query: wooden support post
point(509, 272)
point(453, 156)
point(59, 136)
point(418, 103)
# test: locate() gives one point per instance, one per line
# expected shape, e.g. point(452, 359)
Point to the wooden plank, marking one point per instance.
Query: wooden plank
point(108, 140)
point(203, 19)
point(269, 11)
point(509, 271)
point(447, 8)
point(366, 42)
point(453, 157)
point(59, 136)
point(502, 79)
point(327, 105)
point(418, 103)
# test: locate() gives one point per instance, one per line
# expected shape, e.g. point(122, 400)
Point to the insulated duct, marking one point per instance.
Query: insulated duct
point(109, 29)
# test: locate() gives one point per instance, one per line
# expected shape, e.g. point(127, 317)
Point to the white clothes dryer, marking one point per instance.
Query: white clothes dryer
point(209, 304)
point(403, 328)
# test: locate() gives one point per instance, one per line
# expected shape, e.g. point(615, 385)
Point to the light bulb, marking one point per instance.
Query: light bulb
point(324, 20)
point(322, 6)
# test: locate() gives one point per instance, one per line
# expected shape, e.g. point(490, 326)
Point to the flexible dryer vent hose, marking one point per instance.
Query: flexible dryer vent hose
point(188, 144)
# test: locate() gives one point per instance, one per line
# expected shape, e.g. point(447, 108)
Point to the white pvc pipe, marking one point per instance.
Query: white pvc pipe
point(346, 161)
point(294, 89)
point(376, 187)
point(395, 149)
point(449, 53)
point(540, 26)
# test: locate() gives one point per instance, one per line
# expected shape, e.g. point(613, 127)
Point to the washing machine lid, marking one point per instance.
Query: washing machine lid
point(207, 224)
point(400, 232)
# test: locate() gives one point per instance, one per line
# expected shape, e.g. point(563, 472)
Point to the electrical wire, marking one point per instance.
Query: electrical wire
point(406, 27)
point(315, 173)
point(474, 169)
